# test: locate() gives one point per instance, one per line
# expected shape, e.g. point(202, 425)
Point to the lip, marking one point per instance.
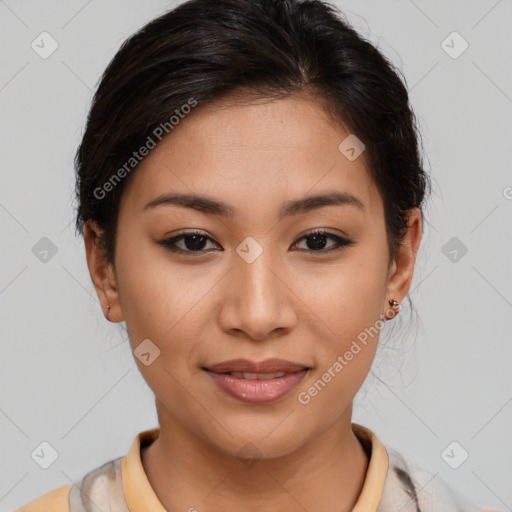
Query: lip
point(272, 365)
point(256, 391)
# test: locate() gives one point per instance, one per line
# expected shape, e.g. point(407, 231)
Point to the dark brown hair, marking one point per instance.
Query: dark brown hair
point(205, 50)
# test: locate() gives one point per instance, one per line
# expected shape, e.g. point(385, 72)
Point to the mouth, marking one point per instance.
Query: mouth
point(257, 383)
point(266, 367)
point(254, 376)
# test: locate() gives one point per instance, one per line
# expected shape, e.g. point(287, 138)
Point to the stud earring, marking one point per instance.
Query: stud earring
point(394, 303)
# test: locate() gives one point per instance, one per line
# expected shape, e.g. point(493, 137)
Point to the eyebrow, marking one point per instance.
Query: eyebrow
point(212, 206)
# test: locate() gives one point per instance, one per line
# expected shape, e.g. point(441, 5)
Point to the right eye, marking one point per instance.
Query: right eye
point(192, 242)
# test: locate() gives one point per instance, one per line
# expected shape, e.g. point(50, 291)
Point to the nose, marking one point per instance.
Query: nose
point(258, 301)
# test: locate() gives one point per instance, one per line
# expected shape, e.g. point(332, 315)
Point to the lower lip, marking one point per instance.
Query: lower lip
point(254, 391)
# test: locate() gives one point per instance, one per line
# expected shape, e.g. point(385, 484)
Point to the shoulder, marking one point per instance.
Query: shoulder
point(56, 500)
point(101, 487)
point(409, 487)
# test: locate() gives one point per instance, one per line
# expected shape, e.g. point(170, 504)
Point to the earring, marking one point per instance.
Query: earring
point(393, 303)
point(108, 312)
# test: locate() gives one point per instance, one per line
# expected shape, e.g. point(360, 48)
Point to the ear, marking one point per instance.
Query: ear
point(102, 272)
point(402, 268)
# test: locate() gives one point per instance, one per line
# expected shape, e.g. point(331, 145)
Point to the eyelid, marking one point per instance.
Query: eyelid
point(320, 231)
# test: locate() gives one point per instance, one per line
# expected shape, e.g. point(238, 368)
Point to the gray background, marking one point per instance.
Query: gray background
point(68, 377)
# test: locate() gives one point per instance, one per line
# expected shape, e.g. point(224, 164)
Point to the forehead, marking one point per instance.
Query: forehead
point(253, 154)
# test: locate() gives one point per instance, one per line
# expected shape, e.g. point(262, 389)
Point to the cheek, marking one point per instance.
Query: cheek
point(347, 298)
point(157, 300)
point(163, 301)
point(348, 301)
point(150, 292)
point(349, 309)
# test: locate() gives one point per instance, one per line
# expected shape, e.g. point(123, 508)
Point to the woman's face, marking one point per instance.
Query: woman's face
point(255, 285)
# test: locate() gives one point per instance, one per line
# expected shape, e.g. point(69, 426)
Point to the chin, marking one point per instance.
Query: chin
point(262, 439)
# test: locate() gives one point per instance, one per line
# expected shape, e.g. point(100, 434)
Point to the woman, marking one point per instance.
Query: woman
point(251, 198)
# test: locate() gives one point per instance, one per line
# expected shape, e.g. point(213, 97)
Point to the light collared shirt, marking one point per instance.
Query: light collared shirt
point(391, 484)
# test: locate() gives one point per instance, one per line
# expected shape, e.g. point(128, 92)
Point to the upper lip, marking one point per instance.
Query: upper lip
point(272, 365)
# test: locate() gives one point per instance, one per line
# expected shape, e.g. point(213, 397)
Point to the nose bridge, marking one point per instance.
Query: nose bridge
point(260, 301)
point(256, 271)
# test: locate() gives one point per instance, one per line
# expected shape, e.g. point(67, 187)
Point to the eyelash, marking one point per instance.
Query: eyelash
point(341, 242)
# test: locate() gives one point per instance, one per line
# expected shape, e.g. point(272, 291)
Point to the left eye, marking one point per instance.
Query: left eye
point(194, 242)
point(318, 239)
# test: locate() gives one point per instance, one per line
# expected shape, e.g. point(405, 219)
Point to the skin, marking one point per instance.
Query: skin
point(205, 308)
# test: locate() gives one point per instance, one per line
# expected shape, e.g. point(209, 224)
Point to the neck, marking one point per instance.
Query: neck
point(188, 473)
